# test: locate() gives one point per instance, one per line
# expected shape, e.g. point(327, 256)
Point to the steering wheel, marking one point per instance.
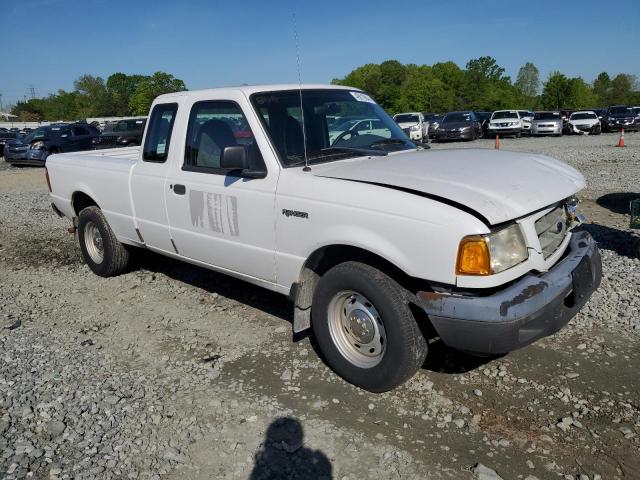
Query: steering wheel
point(353, 133)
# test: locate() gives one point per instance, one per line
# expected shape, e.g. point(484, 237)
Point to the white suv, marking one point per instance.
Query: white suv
point(506, 122)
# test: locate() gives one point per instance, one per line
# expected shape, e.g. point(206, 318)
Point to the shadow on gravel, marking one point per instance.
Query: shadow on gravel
point(619, 241)
point(442, 359)
point(260, 298)
point(283, 454)
point(617, 202)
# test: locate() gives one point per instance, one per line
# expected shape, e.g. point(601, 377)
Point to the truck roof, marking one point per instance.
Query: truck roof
point(251, 89)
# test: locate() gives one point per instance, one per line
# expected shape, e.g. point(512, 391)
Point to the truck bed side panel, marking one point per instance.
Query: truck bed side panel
point(103, 176)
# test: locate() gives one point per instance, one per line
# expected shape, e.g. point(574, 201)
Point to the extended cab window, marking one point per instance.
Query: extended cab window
point(156, 144)
point(213, 126)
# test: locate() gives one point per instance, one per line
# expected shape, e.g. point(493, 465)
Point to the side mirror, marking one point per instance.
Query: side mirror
point(236, 157)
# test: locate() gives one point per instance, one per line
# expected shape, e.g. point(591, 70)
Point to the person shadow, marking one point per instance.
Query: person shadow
point(283, 455)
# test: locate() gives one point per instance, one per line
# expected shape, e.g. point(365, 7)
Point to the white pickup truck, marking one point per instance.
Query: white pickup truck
point(375, 240)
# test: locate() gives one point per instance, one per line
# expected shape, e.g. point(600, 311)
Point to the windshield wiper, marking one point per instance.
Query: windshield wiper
point(328, 152)
point(389, 141)
point(359, 151)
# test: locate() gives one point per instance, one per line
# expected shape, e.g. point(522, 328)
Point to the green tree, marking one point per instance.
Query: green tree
point(92, 98)
point(528, 80)
point(555, 91)
point(580, 94)
point(602, 89)
point(121, 87)
point(622, 87)
point(149, 88)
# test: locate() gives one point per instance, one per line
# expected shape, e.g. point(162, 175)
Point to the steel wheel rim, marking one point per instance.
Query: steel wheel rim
point(93, 242)
point(356, 329)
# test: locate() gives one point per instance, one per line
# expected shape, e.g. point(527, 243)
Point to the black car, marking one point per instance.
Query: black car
point(125, 133)
point(483, 118)
point(434, 120)
point(33, 149)
point(459, 126)
point(6, 137)
point(619, 117)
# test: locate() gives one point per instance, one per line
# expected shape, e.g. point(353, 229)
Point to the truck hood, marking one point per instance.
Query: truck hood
point(497, 185)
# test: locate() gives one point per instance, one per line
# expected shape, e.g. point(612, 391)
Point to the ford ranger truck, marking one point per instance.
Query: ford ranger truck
point(374, 239)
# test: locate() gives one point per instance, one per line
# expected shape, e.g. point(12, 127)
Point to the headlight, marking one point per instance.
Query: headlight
point(39, 145)
point(462, 129)
point(492, 253)
point(435, 125)
point(415, 128)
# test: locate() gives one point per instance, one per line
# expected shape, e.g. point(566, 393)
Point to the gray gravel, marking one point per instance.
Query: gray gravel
point(171, 371)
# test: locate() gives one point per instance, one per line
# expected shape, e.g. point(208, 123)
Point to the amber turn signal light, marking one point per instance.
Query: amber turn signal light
point(473, 257)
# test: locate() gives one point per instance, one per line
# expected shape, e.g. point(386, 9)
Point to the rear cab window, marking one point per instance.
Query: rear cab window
point(156, 144)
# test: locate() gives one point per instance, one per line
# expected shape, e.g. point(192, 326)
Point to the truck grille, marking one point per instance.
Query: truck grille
point(551, 230)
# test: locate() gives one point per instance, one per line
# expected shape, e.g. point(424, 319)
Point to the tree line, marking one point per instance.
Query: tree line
point(483, 86)
point(121, 95)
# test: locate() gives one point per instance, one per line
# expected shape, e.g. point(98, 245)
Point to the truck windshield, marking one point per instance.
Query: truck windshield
point(337, 124)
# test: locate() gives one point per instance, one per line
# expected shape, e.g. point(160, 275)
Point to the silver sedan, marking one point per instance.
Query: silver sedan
point(546, 123)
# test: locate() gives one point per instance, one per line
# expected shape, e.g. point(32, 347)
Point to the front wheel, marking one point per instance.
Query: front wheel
point(101, 250)
point(365, 328)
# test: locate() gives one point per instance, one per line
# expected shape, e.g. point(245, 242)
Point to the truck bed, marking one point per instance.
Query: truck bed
point(103, 175)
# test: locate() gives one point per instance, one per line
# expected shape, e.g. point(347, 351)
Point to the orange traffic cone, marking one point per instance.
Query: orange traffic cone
point(497, 145)
point(621, 141)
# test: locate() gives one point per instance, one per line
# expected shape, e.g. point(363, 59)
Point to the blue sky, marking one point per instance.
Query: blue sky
point(49, 43)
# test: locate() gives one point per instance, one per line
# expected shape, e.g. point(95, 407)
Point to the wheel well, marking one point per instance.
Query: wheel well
point(81, 200)
point(327, 257)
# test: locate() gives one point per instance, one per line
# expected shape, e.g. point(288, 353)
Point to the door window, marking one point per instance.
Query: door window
point(156, 144)
point(213, 126)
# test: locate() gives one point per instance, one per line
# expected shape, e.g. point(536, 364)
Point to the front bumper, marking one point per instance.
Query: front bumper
point(504, 131)
point(454, 135)
point(616, 127)
point(533, 307)
point(28, 157)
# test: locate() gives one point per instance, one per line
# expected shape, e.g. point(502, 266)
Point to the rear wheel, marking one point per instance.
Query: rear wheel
point(365, 328)
point(101, 250)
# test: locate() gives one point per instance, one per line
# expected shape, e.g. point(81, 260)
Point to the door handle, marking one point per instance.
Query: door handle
point(179, 189)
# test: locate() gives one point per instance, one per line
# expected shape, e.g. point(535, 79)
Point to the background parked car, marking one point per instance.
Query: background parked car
point(413, 125)
point(34, 148)
point(505, 122)
point(434, 120)
point(526, 118)
point(359, 126)
point(125, 133)
point(601, 112)
point(459, 126)
point(618, 117)
point(547, 123)
point(585, 121)
point(636, 110)
point(6, 137)
point(483, 118)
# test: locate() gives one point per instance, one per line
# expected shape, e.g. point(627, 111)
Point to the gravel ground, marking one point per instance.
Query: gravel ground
point(171, 371)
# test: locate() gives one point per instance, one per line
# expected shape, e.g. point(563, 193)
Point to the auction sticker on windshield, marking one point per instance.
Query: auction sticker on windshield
point(362, 97)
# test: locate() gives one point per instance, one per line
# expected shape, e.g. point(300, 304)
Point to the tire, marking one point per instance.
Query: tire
point(396, 348)
point(635, 246)
point(104, 254)
point(518, 135)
